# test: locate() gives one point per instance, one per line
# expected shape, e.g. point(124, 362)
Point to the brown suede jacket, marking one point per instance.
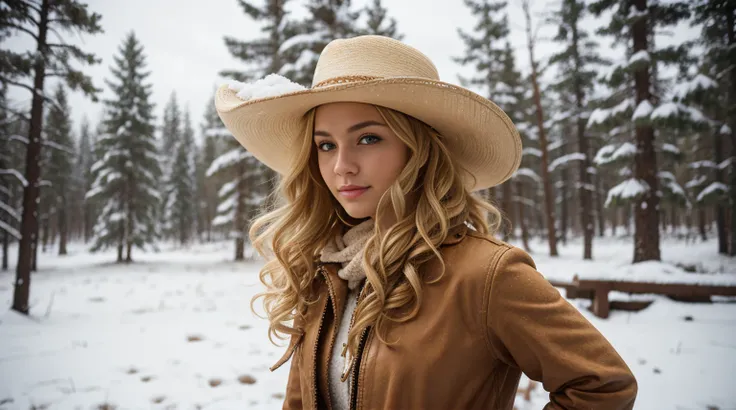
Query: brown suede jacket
point(490, 318)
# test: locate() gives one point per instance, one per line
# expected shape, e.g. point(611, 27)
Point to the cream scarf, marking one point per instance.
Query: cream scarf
point(348, 250)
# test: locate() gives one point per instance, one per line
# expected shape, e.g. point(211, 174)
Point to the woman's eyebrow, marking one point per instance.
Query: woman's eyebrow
point(352, 128)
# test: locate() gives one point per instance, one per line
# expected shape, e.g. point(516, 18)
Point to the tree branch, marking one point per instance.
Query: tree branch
point(35, 7)
point(17, 84)
point(23, 29)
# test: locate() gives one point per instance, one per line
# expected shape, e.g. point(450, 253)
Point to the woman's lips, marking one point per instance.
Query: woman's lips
point(353, 193)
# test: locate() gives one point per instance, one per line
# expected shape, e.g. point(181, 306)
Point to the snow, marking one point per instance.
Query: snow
point(669, 181)
point(643, 110)
point(713, 187)
point(601, 115)
point(305, 39)
point(725, 130)
point(602, 154)
point(674, 109)
point(10, 210)
point(563, 160)
point(10, 230)
point(635, 13)
point(272, 85)
point(227, 204)
point(702, 164)
point(531, 151)
point(227, 189)
point(700, 82)
point(627, 189)
point(227, 160)
point(610, 153)
point(696, 181)
point(224, 219)
point(167, 326)
point(526, 172)
point(670, 148)
point(639, 57)
point(218, 132)
point(16, 174)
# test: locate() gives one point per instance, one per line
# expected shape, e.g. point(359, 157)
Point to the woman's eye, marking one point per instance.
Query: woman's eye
point(321, 146)
point(374, 139)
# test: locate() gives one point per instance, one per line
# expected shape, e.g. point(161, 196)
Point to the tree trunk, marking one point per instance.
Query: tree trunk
point(599, 206)
point(720, 208)
point(507, 210)
point(29, 223)
point(646, 212)
point(731, 115)
point(120, 242)
point(564, 177)
point(701, 223)
point(239, 220)
point(522, 222)
point(88, 222)
point(548, 194)
point(6, 243)
point(62, 220)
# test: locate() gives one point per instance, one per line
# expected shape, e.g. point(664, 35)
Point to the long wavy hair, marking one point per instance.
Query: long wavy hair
point(424, 202)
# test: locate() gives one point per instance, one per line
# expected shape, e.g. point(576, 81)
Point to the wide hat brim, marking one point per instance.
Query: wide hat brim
point(479, 134)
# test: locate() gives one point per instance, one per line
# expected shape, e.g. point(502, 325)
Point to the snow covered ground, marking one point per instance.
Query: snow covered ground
point(174, 330)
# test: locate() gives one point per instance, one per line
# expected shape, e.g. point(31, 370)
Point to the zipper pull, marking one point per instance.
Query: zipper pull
point(346, 370)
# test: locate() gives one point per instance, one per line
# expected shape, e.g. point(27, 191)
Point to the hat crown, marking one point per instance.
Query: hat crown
point(370, 57)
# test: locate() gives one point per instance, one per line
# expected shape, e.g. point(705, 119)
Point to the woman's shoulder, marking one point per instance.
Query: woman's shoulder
point(481, 255)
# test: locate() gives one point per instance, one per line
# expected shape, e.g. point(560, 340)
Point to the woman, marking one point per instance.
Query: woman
point(382, 264)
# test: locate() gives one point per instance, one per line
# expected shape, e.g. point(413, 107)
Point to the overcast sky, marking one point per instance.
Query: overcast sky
point(183, 42)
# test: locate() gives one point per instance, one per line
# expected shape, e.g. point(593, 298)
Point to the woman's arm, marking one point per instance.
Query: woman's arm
point(293, 399)
point(531, 326)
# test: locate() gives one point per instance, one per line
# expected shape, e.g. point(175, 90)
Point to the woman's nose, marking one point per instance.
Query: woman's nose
point(345, 162)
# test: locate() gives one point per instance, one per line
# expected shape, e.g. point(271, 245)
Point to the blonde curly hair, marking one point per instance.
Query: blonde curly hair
point(427, 197)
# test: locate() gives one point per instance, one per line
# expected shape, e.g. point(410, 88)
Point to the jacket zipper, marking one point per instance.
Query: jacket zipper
point(334, 334)
point(349, 361)
point(356, 371)
point(319, 332)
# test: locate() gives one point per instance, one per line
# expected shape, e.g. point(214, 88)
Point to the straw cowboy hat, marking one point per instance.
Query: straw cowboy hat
point(268, 117)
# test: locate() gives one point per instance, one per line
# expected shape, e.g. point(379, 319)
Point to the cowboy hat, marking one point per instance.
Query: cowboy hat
point(268, 117)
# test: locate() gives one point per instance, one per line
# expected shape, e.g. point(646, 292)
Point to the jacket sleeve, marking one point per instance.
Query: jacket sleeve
point(532, 327)
point(293, 399)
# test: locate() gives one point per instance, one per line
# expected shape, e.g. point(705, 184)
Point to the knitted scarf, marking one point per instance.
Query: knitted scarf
point(348, 250)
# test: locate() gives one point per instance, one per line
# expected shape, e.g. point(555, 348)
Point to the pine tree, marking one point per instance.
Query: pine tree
point(60, 165)
point(636, 20)
point(49, 59)
point(541, 128)
point(239, 197)
point(181, 208)
point(484, 51)
point(265, 55)
point(379, 23)
point(577, 63)
point(171, 128)
point(127, 173)
point(11, 180)
point(84, 175)
point(171, 135)
point(214, 136)
point(327, 20)
point(510, 96)
point(718, 19)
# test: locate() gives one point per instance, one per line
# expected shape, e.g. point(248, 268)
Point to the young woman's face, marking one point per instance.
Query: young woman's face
point(359, 156)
